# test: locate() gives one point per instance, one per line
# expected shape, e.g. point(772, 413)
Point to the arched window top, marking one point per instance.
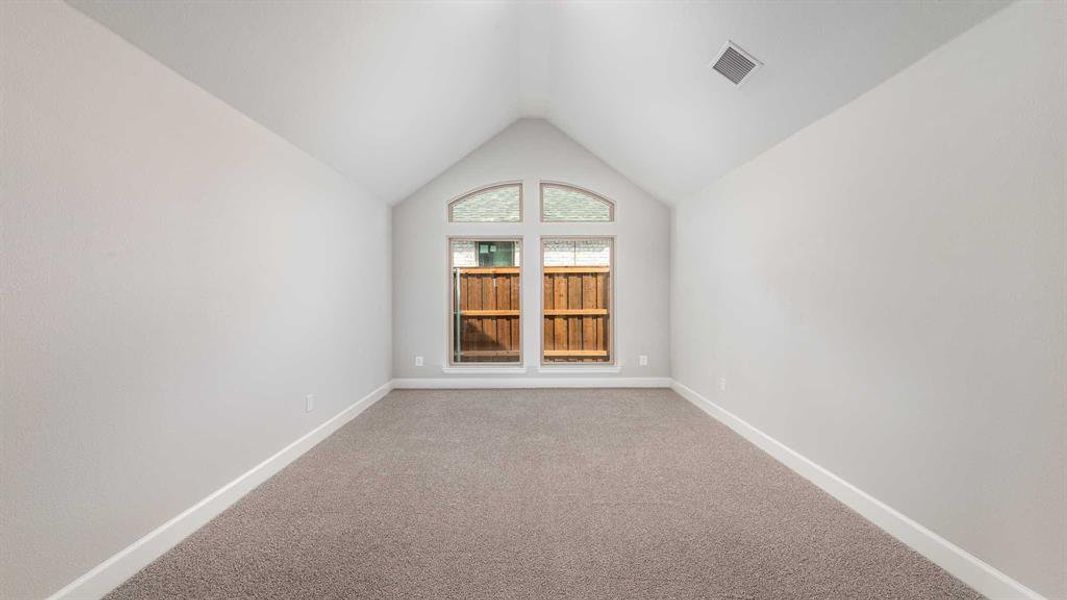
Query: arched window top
point(568, 204)
point(494, 204)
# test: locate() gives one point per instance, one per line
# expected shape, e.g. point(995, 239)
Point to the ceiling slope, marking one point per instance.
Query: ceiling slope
point(632, 81)
point(391, 94)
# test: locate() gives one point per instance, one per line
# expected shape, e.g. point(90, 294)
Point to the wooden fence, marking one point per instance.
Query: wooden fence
point(488, 317)
point(576, 304)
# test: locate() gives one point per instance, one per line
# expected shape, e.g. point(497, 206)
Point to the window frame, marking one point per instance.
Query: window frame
point(563, 366)
point(503, 184)
point(451, 302)
point(558, 184)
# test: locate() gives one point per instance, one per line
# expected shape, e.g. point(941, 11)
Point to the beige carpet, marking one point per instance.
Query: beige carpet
point(539, 494)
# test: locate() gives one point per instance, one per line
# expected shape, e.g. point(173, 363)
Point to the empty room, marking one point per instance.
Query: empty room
point(501, 299)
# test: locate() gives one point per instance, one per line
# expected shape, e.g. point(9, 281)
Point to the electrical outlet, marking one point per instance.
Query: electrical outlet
point(309, 403)
point(722, 384)
point(418, 361)
point(642, 360)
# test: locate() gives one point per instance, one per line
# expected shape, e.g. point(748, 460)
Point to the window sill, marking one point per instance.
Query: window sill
point(600, 370)
point(483, 370)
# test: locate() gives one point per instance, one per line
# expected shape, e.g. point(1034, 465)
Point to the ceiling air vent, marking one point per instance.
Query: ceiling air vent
point(734, 63)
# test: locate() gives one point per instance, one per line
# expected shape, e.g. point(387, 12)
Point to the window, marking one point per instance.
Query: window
point(496, 204)
point(485, 291)
point(577, 300)
point(566, 204)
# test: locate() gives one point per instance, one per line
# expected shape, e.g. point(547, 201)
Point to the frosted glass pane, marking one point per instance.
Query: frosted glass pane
point(495, 205)
point(568, 204)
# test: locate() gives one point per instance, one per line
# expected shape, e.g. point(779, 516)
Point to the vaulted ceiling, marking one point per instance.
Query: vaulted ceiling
point(391, 94)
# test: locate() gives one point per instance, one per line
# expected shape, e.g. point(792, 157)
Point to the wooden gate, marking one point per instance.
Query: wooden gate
point(486, 314)
point(576, 313)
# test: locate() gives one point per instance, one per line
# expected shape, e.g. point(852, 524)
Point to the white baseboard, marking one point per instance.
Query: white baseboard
point(112, 572)
point(966, 567)
point(459, 383)
point(971, 570)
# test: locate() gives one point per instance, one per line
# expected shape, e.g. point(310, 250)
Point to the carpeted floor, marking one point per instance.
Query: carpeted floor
point(539, 494)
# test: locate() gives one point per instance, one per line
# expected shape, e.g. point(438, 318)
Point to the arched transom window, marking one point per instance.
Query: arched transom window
point(568, 204)
point(495, 204)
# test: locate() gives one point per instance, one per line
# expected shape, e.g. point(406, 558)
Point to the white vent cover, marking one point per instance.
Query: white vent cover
point(734, 63)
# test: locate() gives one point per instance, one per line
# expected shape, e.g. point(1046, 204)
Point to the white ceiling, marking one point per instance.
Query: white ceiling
point(392, 94)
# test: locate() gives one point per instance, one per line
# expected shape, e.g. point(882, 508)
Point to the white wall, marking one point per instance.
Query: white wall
point(884, 293)
point(175, 280)
point(531, 150)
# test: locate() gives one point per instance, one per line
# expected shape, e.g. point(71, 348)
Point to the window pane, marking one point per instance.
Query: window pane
point(560, 203)
point(576, 301)
point(494, 205)
point(465, 253)
point(576, 253)
point(485, 317)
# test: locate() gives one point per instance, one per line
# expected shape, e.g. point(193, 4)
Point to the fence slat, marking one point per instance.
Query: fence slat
point(489, 310)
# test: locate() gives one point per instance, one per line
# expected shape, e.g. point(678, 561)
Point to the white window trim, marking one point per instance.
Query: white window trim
point(588, 370)
point(483, 369)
